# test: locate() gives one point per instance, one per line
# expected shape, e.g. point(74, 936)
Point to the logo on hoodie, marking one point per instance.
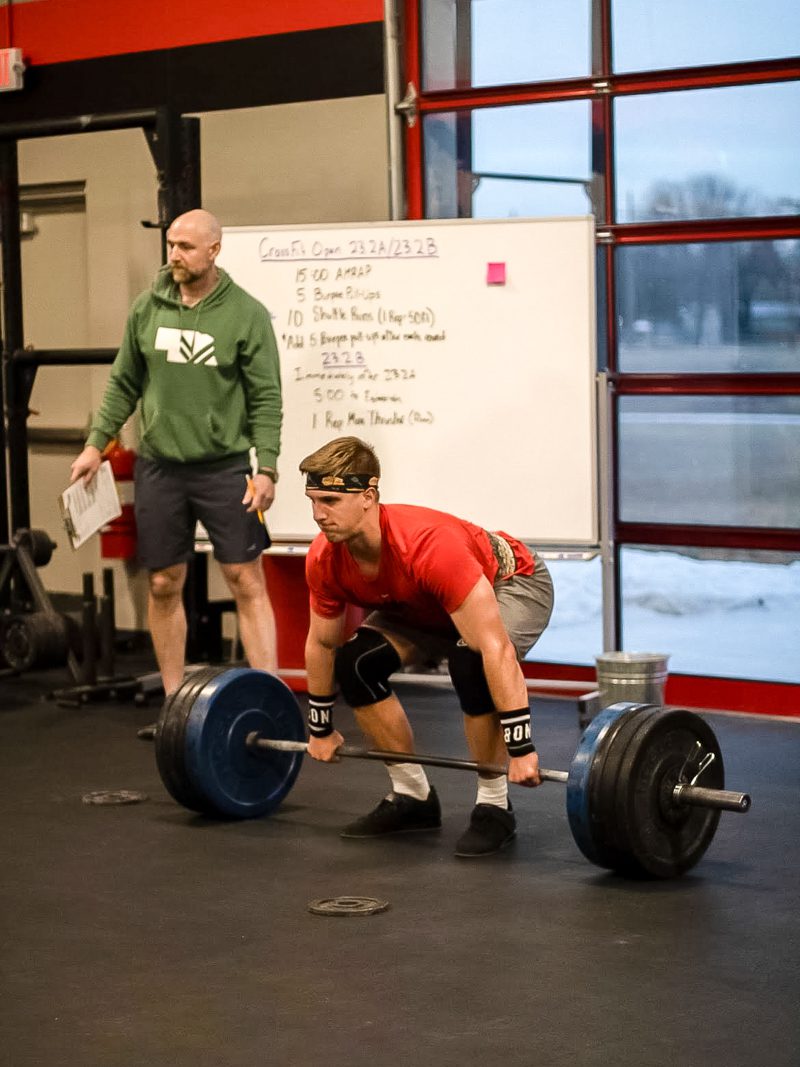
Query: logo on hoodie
point(186, 346)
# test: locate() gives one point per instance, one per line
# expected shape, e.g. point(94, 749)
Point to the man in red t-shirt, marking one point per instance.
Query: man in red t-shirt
point(436, 587)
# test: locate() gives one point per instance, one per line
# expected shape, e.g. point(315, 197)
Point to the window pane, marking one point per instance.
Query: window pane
point(517, 199)
point(708, 153)
point(714, 612)
point(503, 42)
point(529, 160)
point(575, 631)
point(714, 307)
point(728, 461)
point(689, 33)
point(732, 615)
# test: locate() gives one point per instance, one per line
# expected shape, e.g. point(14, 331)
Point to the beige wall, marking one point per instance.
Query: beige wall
point(299, 163)
point(323, 161)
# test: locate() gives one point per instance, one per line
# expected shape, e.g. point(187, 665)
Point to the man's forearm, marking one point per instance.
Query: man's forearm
point(320, 673)
point(505, 679)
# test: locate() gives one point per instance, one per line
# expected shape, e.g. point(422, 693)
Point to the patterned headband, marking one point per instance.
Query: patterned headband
point(341, 483)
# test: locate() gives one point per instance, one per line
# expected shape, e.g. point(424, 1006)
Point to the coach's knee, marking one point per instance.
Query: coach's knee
point(166, 584)
point(245, 580)
point(363, 666)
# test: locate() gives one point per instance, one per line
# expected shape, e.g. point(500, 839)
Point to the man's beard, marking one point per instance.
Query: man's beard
point(183, 274)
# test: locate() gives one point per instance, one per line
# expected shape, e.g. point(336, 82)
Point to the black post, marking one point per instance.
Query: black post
point(174, 144)
point(107, 625)
point(203, 618)
point(89, 631)
point(16, 394)
point(178, 164)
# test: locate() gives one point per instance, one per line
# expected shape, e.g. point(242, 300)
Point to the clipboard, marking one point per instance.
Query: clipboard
point(84, 510)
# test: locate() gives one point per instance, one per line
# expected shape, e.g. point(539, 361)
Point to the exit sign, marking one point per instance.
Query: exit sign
point(11, 69)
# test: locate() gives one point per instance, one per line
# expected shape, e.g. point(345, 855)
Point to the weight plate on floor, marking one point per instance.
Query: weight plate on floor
point(586, 764)
point(114, 796)
point(223, 775)
point(665, 838)
point(347, 906)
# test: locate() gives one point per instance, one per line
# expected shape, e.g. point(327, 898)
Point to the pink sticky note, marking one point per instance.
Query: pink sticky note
point(495, 274)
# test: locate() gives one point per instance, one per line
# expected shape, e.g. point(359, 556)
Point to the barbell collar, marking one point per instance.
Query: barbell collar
point(698, 797)
point(255, 741)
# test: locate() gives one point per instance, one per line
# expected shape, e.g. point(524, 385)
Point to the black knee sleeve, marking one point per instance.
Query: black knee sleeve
point(363, 666)
point(469, 680)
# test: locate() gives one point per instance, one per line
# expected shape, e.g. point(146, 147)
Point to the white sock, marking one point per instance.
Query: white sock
point(493, 791)
point(409, 778)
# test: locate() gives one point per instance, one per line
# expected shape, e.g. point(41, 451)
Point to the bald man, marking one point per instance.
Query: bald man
point(200, 355)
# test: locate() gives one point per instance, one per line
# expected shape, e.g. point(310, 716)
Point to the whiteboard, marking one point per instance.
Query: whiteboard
point(463, 351)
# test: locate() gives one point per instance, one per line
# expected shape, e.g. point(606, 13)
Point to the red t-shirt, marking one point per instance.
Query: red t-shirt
point(430, 561)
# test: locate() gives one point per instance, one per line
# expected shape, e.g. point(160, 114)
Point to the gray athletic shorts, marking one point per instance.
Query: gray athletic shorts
point(525, 602)
point(171, 498)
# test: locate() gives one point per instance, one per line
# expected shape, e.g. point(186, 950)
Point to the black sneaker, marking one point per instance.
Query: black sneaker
point(490, 829)
point(398, 814)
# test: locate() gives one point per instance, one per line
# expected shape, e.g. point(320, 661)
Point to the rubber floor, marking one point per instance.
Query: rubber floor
point(146, 935)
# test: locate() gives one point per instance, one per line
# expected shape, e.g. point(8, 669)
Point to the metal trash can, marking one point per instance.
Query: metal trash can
point(636, 676)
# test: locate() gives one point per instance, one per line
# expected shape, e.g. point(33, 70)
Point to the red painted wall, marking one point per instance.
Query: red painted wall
point(56, 31)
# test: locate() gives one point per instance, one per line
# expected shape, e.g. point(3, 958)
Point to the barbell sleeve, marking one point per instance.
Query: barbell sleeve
point(683, 793)
point(699, 797)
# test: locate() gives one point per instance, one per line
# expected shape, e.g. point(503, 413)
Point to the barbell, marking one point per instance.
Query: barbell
point(229, 743)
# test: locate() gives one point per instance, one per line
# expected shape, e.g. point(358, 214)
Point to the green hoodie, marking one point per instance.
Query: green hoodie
point(208, 377)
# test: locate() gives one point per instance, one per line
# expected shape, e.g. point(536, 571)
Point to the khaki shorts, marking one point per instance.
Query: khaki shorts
point(525, 602)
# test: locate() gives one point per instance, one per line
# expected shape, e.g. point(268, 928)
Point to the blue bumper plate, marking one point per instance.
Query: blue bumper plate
point(231, 779)
point(584, 771)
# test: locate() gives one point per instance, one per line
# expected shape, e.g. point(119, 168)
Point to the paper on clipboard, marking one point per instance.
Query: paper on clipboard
point(85, 509)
